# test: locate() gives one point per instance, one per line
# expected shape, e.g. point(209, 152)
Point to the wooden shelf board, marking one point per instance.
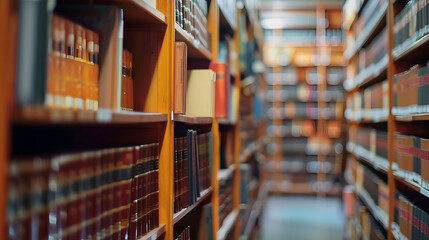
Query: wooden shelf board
point(194, 51)
point(225, 173)
point(43, 115)
point(192, 120)
point(371, 206)
point(225, 122)
point(416, 51)
point(368, 36)
point(155, 233)
point(135, 11)
point(228, 224)
point(249, 151)
point(412, 185)
point(364, 159)
point(410, 118)
point(204, 194)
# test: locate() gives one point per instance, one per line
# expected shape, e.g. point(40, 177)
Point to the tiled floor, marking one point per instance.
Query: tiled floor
point(302, 218)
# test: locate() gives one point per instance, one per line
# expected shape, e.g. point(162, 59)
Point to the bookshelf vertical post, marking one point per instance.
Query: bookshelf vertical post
point(165, 105)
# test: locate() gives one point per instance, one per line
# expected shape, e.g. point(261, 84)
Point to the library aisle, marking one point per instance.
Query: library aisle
point(302, 217)
point(214, 119)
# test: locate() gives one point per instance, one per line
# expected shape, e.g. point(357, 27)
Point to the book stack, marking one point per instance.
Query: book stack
point(191, 16)
point(192, 168)
point(411, 91)
point(304, 93)
point(225, 197)
point(411, 159)
point(371, 145)
point(370, 184)
point(308, 110)
point(180, 77)
point(294, 36)
point(410, 25)
point(374, 52)
point(369, 105)
point(127, 93)
point(182, 233)
point(72, 80)
point(110, 193)
point(411, 220)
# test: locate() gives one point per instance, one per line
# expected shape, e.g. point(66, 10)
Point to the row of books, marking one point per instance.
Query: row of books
point(227, 149)
point(350, 11)
point(411, 89)
point(75, 60)
point(110, 193)
point(72, 80)
point(226, 187)
point(308, 110)
point(374, 52)
point(374, 189)
point(370, 144)
point(290, 76)
point(201, 92)
point(127, 93)
point(192, 168)
point(410, 24)
point(303, 128)
point(182, 233)
point(306, 146)
point(412, 159)
point(191, 16)
point(305, 93)
point(360, 224)
point(371, 104)
point(303, 164)
point(411, 220)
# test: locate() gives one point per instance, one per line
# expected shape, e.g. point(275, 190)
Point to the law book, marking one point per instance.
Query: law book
point(33, 30)
point(200, 93)
point(222, 89)
point(180, 77)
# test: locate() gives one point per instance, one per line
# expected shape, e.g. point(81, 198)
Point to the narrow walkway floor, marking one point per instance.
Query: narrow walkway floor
point(302, 218)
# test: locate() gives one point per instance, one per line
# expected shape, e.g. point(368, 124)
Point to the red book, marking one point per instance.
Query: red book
point(132, 232)
point(222, 89)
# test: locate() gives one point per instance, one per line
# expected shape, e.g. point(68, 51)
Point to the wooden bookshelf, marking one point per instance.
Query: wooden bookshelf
point(399, 59)
point(204, 195)
point(62, 116)
point(193, 120)
point(153, 118)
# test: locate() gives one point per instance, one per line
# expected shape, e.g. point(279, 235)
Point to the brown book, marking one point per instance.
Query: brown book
point(132, 230)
